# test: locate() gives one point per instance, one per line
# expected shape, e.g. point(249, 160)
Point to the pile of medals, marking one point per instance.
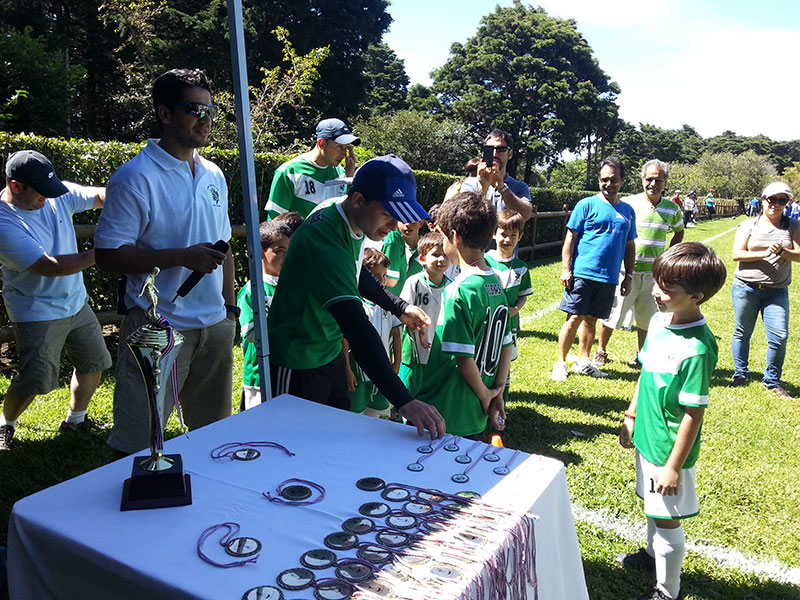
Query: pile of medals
point(427, 545)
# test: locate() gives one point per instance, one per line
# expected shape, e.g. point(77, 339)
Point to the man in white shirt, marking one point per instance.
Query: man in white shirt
point(43, 290)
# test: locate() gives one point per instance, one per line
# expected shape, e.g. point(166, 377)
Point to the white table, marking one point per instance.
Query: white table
point(72, 541)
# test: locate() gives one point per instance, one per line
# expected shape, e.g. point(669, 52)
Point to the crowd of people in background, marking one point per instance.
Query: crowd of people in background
point(378, 306)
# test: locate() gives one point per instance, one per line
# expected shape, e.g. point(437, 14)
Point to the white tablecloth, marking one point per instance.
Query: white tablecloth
point(72, 541)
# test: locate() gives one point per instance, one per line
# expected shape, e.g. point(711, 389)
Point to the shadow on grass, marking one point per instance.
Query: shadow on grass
point(531, 431)
point(601, 406)
point(34, 465)
point(609, 582)
point(542, 335)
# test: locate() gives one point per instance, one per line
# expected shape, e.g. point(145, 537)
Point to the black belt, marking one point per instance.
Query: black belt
point(760, 286)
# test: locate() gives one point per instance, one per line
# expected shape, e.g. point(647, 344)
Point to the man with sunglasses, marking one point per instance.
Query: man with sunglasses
point(165, 208)
point(302, 183)
point(501, 190)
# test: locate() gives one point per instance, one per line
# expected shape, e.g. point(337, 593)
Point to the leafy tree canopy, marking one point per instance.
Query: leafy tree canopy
point(527, 73)
point(387, 81)
point(423, 141)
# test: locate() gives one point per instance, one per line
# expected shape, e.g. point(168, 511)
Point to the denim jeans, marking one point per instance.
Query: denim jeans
point(773, 305)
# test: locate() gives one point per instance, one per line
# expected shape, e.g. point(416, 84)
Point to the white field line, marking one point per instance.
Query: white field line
point(729, 558)
point(548, 309)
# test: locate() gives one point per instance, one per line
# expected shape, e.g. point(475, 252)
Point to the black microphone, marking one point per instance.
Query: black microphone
point(196, 276)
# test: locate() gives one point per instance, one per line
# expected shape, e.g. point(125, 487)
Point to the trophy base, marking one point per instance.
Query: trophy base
point(156, 489)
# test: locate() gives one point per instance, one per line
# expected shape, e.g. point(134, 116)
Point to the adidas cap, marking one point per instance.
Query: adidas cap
point(390, 180)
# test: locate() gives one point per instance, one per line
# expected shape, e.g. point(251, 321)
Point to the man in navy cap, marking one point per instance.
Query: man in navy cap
point(43, 290)
point(302, 183)
point(320, 292)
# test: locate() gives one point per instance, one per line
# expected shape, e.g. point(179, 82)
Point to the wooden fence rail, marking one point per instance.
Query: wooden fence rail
point(725, 208)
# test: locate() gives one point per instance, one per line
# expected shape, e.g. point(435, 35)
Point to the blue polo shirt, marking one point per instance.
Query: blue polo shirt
point(25, 236)
point(603, 229)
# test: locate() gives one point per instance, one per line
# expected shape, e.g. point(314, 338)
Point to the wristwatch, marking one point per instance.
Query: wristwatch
point(503, 189)
point(232, 308)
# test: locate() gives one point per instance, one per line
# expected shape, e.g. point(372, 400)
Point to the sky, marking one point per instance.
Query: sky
point(716, 65)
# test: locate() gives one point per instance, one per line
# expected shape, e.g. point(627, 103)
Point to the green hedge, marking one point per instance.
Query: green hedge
point(92, 163)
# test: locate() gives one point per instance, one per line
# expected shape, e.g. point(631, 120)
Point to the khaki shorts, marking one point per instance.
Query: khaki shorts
point(205, 381)
point(683, 504)
point(640, 300)
point(39, 345)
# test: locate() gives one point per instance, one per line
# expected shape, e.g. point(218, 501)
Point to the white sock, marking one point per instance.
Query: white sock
point(4, 421)
point(75, 416)
point(669, 547)
point(651, 531)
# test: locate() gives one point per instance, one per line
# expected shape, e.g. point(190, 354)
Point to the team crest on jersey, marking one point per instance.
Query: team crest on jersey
point(493, 289)
point(212, 189)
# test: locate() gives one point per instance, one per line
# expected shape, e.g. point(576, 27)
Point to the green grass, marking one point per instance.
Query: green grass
point(747, 473)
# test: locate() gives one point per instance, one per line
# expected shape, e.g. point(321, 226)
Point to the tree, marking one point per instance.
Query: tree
point(36, 85)
point(570, 175)
point(387, 81)
point(791, 177)
point(729, 175)
point(527, 73)
point(423, 141)
point(421, 98)
point(278, 89)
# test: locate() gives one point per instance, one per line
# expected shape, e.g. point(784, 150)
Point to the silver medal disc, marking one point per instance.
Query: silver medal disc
point(242, 547)
point(263, 592)
point(416, 467)
point(424, 449)
point(492, 457)
point(502, 470)
point(463, 459)
point(460, 478)
point(246, 454)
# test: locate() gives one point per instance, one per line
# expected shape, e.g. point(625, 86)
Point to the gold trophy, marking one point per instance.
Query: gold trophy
point(157, 480)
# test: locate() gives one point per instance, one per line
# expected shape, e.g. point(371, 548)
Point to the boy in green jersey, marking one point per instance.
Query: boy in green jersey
point(471, 351)
point(401, 248)
point(275, 236)
point(511, 270)
point(664, 418)
point(365, 397)
point(424, 290)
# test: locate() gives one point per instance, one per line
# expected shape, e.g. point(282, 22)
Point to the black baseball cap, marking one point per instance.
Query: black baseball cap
point(33, 169)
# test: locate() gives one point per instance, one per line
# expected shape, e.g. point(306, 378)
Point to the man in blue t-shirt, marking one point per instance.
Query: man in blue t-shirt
point(600, 234)
point(43, 290)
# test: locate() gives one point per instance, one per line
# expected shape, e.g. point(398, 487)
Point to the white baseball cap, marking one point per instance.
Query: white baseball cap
point(776, 187)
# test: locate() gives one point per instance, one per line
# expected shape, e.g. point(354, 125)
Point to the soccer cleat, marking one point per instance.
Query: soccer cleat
point(639, 560)
point(560, 371)
point(585, 367)
point(86, 425)
point(657, 594)
point(6, 435)
point(600, 358)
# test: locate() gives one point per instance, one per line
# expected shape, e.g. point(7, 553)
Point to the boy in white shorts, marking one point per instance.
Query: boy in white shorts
point(665, 416)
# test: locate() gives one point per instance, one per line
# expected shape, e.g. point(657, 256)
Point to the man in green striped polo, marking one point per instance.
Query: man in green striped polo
point(305, 181)
point(655, 218)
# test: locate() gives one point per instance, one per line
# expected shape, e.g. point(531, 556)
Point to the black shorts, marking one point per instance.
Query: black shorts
point(326, 384)
point(588, 297)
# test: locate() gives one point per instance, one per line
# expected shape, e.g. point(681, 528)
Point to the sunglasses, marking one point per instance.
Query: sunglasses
point(781, 201)
point(500, 148)
point(198, 109)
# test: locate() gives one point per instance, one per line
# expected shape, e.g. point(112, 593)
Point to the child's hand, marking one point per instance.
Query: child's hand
point(423, 340)
point(395, 366)
point(351, 380)
point(626, 434)
point(497, 412)
point(668, 482)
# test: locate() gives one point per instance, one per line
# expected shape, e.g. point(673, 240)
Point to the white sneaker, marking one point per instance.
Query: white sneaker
point(585, 367)
point(560, 371)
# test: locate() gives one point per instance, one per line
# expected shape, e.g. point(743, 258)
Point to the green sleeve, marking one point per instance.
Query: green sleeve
point(281, 195)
